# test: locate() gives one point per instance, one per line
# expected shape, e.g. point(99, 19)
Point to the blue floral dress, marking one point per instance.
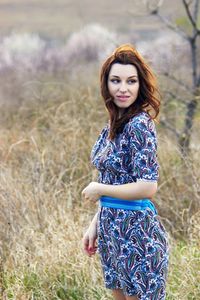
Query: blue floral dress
point(132, 244)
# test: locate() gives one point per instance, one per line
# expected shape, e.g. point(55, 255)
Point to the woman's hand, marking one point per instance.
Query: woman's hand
point(91, 192)
point(89, 239)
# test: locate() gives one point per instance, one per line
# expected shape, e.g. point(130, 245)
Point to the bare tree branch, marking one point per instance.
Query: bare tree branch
point(185, 136)
point(196, 10)
point(190, 2)
point(173, 96)
point(194, 62)
point(172, 26)
point(193, 19)
point(178, 81)
point(198, 82)
point(153, 8)
point(155, 11)
point(170, 127)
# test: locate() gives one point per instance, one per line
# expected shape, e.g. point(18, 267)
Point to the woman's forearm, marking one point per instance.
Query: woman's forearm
point(94, 220)
point(129, 191)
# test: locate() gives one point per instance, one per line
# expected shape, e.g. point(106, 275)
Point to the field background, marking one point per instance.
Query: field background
point(51, 115)
point(57, 19)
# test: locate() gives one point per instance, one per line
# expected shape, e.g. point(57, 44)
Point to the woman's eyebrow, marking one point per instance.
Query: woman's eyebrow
point(119, 77)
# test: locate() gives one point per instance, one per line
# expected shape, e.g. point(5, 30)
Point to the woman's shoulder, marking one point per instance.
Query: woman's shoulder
point(141, 121)
point(141, 126)
point(141, 130)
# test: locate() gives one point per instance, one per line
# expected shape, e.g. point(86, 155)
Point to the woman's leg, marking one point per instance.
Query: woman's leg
point(118, 294)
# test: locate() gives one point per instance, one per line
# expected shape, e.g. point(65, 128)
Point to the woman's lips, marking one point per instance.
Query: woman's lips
point(122, 98)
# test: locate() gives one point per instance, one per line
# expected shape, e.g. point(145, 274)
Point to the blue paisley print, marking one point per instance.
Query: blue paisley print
point(133, 245)
point(133, 248)
point(131, 156)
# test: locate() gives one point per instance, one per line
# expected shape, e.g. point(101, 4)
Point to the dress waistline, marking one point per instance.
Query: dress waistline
point(139, 204)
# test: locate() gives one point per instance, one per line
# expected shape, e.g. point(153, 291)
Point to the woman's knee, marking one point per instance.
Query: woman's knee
point(119, 295)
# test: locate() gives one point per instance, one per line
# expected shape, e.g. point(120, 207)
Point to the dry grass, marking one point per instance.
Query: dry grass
point(45, 148)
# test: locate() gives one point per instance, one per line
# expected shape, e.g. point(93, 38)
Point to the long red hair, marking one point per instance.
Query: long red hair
point(148, 96)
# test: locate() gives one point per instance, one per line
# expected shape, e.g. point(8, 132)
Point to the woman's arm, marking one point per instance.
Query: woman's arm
point(141, 134)
point(129, 191)
point(94, 220)
point(90, 237)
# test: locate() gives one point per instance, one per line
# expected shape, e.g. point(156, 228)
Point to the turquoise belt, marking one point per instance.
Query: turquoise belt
point(139, 204)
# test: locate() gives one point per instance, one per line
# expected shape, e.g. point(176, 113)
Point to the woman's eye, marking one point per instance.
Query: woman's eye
point(132, 81)
point(115, 80)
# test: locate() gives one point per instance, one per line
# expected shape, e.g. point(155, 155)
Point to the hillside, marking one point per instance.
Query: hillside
point(56, 19)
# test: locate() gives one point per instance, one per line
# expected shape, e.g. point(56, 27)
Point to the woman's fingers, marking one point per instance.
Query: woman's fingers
point(85, 242)
point(92, 250)
point(89, 246)
point(92, 245)
point(91, 242)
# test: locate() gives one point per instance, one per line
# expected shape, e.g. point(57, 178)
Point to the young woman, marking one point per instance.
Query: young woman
point(131, 240)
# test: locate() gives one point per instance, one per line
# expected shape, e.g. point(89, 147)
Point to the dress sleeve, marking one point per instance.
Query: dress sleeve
point(143, 148)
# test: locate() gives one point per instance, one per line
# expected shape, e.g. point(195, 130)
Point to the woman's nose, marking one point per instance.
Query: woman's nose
point(123, 87)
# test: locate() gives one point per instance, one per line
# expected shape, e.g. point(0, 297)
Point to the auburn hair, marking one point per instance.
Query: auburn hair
point(148, 96)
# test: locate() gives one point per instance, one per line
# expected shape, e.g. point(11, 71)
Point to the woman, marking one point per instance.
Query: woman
point(132, 242)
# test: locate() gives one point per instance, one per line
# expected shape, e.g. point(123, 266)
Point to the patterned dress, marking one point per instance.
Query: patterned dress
point(132, 244)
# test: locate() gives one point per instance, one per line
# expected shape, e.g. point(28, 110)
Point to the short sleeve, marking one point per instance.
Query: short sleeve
point(143, 148)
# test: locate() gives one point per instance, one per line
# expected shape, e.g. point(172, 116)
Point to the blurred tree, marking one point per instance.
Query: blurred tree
point(189, 29)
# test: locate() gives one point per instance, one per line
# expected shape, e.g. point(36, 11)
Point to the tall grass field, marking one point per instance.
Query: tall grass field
point(51, 115)
point(45, 147)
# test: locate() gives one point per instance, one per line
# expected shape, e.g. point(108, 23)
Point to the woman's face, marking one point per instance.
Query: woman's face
point(123, 85)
